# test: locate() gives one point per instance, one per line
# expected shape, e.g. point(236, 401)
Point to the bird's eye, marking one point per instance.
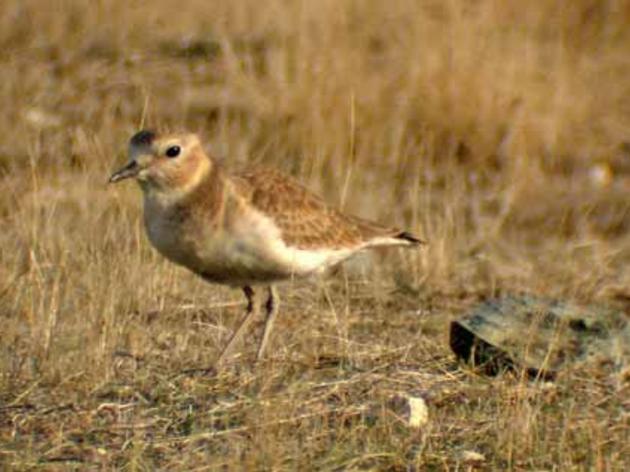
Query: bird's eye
point(173, 151)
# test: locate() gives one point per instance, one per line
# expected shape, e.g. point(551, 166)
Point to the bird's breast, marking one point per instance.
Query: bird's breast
point(232, 250)
point(172, 236)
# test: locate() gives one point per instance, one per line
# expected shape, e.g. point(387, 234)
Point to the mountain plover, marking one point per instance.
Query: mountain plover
point(241, 229)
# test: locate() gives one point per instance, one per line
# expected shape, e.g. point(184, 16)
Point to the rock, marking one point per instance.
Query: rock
point(540, 335)
point(472, 458)
point(418, 412)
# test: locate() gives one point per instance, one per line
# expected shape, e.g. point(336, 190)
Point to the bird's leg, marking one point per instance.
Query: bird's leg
point(252, 308)
point(271, 307)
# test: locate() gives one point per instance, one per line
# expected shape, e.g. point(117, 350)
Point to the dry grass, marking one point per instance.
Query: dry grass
point(500, 134)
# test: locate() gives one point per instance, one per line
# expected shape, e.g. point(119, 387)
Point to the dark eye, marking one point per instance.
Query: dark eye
point(173, 151)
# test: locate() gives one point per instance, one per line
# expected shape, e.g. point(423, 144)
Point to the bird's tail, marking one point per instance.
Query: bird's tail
point(375, 234)
point(410, 238)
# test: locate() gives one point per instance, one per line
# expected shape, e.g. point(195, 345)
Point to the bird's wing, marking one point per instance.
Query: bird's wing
point(305, 221)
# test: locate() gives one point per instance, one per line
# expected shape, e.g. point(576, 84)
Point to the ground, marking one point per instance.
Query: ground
point(499, 135)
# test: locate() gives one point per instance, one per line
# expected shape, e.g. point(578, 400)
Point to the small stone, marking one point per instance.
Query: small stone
point(601, 174)
point(418, 412)
point(472, 457)
point(39, 118)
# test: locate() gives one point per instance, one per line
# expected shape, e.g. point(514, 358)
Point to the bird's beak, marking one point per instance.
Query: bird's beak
point(130, 170)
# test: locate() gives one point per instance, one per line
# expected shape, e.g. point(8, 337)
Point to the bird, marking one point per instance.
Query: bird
point(247, 229)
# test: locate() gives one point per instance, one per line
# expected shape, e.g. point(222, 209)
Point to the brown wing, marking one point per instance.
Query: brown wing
point(304, 219)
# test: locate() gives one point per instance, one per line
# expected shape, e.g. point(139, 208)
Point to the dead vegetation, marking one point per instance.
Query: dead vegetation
point(499, 133)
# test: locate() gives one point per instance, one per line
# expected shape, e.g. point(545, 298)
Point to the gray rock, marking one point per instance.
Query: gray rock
point(540, 335)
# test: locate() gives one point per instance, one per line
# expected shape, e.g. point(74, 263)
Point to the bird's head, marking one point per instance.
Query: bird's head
point(168, 163)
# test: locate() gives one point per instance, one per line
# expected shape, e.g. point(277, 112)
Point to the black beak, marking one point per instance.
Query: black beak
point(130, 170)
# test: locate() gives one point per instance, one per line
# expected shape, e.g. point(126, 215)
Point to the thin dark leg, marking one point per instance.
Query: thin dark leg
point(271, 310)
point(242, 328)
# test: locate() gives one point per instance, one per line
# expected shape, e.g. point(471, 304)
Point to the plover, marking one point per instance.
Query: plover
point(248, 229)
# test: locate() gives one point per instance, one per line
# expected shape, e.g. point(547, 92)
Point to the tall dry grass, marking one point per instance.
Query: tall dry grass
point(498, 131)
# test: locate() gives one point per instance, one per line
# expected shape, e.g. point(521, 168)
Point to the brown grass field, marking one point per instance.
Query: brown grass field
point(499, 131)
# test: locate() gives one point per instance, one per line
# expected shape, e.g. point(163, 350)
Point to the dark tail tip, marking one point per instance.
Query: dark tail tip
point(410, 237)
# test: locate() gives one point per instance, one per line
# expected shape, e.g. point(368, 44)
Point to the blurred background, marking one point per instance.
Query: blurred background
point(498, 131)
